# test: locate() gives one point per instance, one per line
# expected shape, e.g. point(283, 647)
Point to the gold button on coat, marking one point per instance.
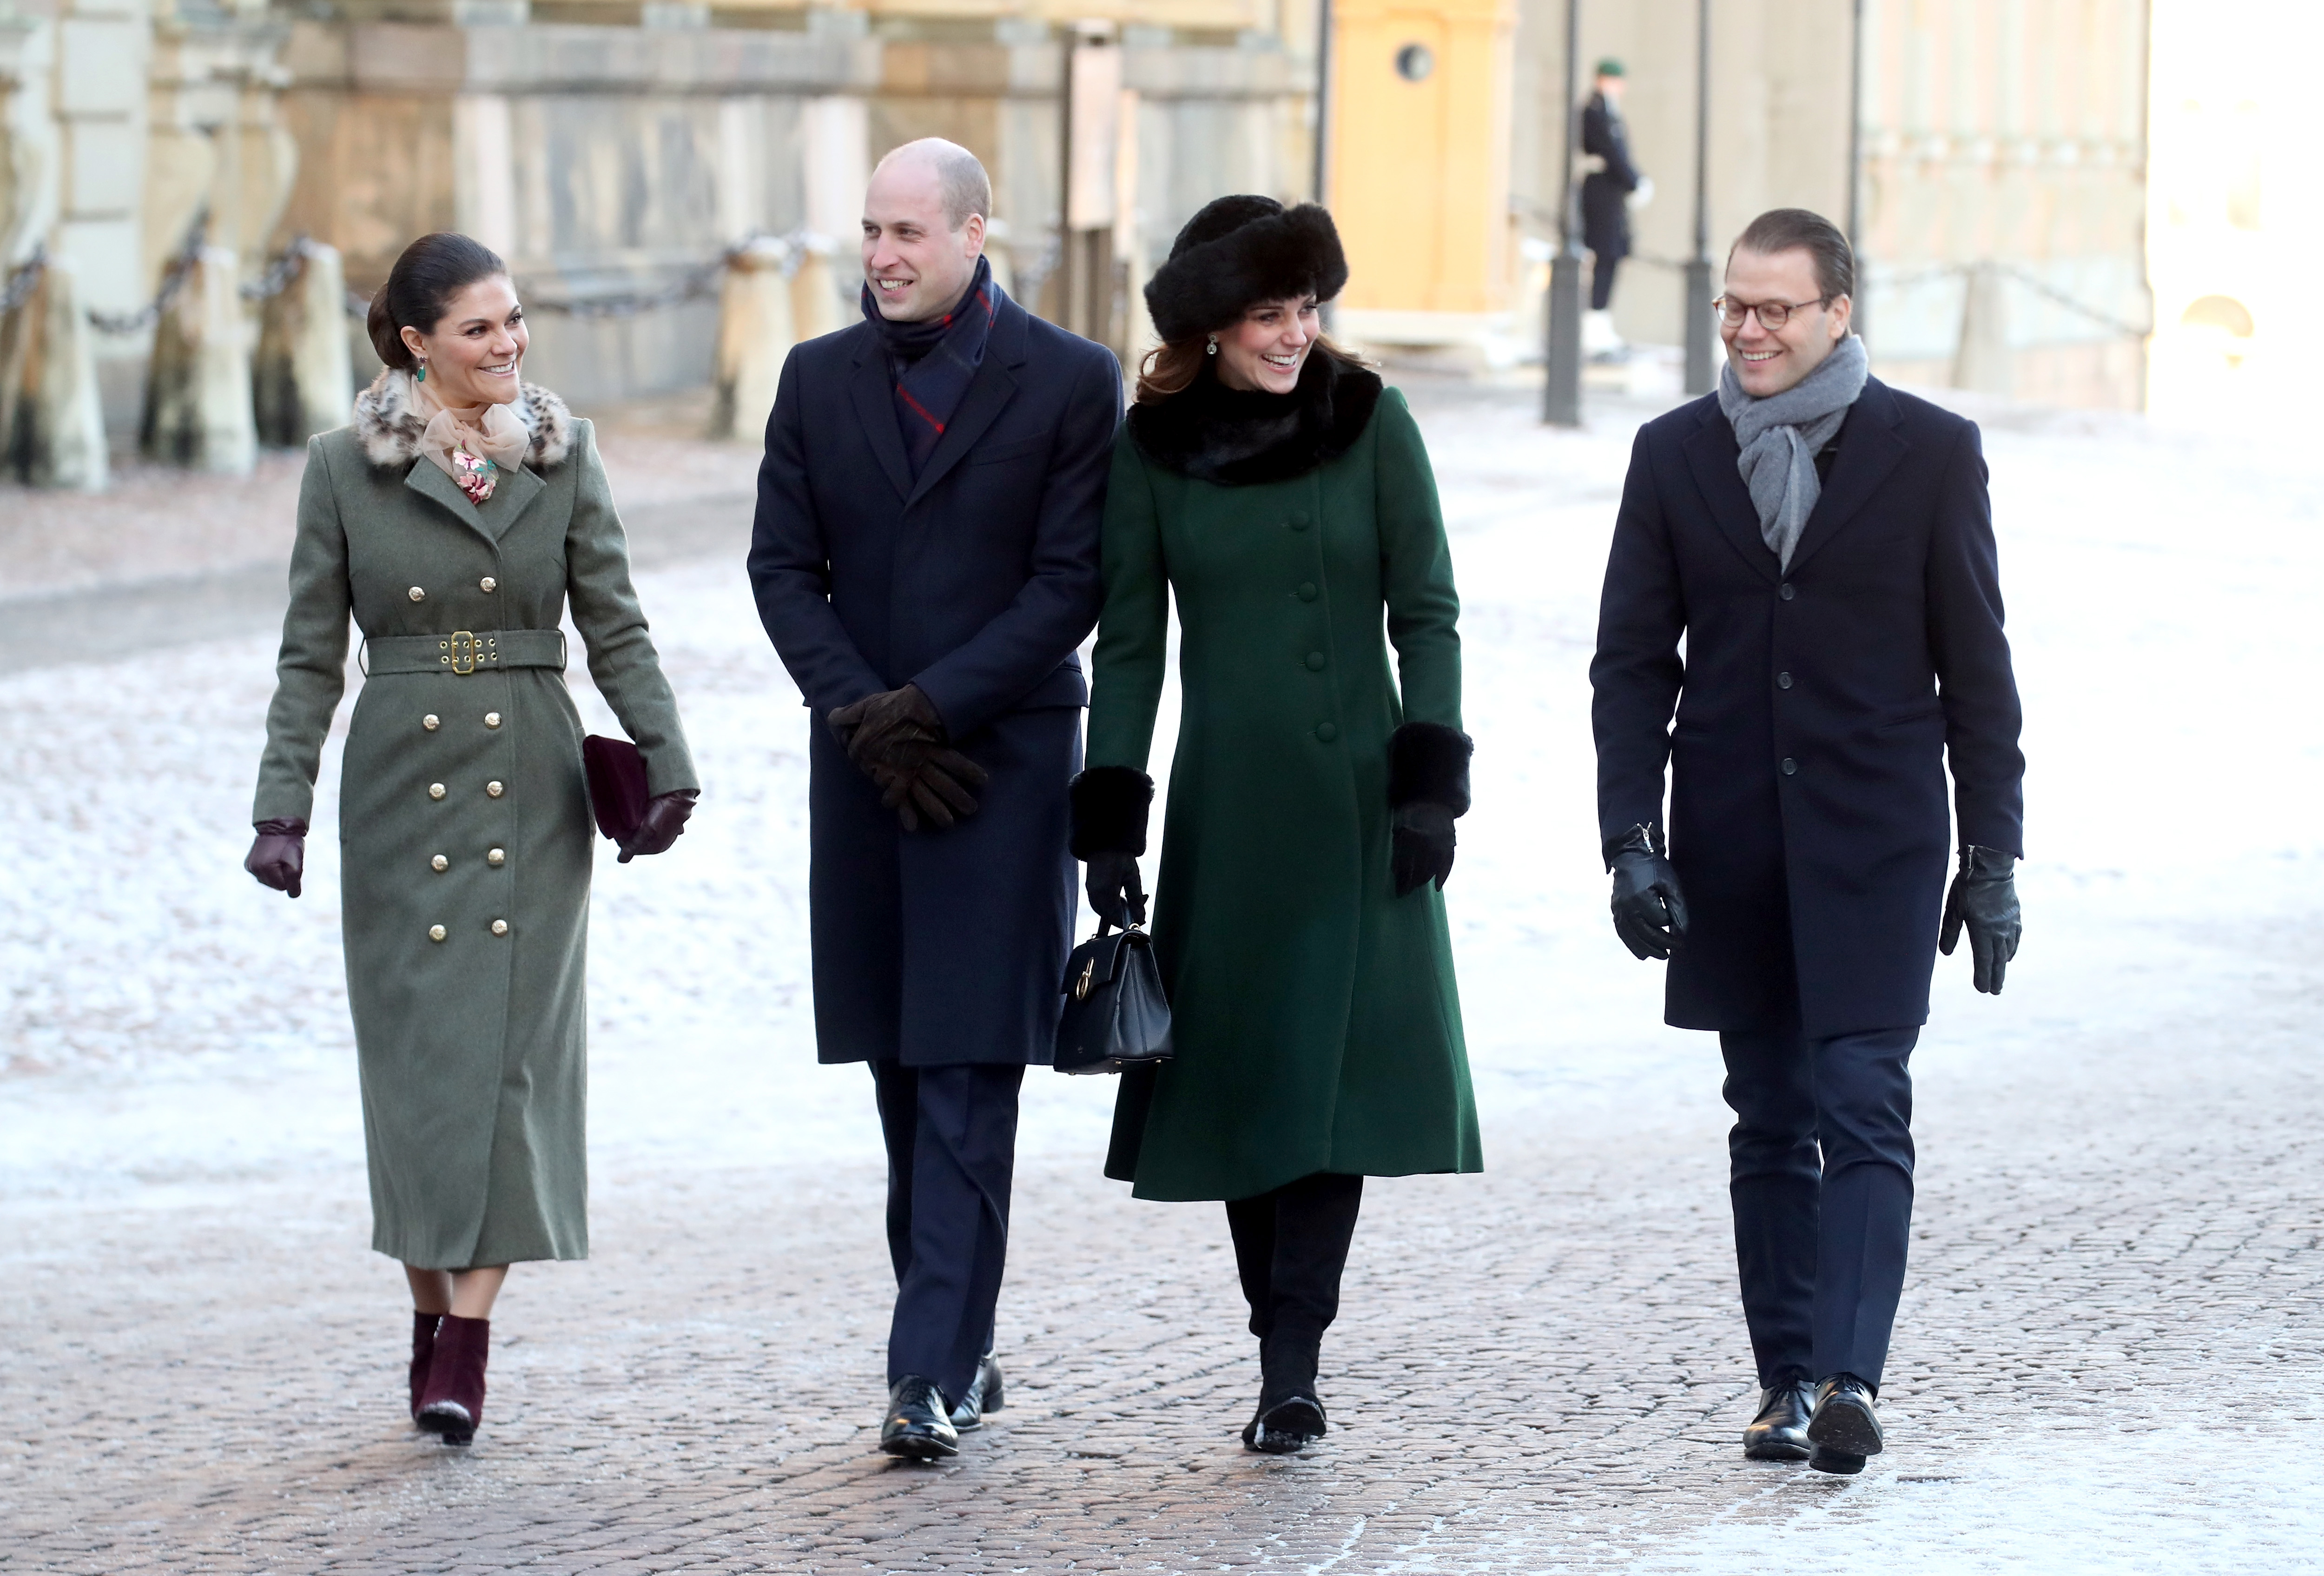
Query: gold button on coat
point(431, 722)
point(488, 584)
point(493, 789)
point(499, 928)
point(417, 594)
point(435, 932)
point(497, 857)
point(440, 863)
point(435, 790)
point(491, 719)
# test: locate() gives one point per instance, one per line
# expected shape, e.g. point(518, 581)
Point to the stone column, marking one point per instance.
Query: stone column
point(51, 422)
point(754, 335)
point(1983, 361)
point(197, 400)
point(302, 378)
point(815, 301)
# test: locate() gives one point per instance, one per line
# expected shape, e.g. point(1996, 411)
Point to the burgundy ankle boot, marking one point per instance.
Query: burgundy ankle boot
point(423, 1347)
point(453, 1401)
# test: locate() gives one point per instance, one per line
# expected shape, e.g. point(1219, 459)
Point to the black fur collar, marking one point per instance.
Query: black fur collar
point(1209, 432)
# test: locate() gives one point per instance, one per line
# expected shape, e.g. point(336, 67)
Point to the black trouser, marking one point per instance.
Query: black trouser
point(1602, 266)
point(1291, 1247)
point(951, 1150)
point(1820, 1240)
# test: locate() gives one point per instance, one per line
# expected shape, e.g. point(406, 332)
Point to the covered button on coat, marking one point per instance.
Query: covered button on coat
point(465, 828)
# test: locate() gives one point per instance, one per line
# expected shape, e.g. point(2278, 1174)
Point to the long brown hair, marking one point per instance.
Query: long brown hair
point(1172, 366)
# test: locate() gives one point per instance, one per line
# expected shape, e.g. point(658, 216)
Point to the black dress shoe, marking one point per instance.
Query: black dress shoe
point(1286, 1427)
point(1845, 1427)
point(917, 1426)
point(985, 1395)
point(1780, 1431)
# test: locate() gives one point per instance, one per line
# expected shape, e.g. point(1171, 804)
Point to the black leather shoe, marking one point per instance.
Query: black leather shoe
point(917, 1426)
point(985, 1395)
point(1838, 1462)
point(1845, 1423)
point(1780, 1431)
point(1286, 1426)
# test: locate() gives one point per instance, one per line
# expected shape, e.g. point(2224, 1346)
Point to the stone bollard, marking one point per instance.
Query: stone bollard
point(51, 422)
point(301, 378)
point(754, 335)
point(198, 404)
point(815, 301)
point(1983, 361)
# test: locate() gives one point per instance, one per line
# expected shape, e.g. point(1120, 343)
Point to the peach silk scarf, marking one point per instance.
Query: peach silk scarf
point(470, 445)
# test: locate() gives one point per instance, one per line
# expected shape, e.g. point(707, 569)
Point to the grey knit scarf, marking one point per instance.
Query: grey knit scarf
point(1781, 435)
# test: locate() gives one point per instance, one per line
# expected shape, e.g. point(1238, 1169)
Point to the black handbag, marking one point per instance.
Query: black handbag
point(1116, 1015)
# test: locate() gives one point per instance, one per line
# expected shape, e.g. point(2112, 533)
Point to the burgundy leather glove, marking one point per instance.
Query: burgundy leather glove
point(277, 855)
point(660, 826)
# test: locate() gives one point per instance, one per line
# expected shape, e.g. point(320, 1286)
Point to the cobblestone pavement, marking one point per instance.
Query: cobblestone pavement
point(2108, 1359)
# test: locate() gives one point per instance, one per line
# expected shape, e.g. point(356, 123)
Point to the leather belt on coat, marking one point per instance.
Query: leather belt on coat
point(463, 651)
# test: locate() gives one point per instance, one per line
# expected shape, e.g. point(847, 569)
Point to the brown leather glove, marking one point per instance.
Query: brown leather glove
point(277, 855)
point(897, 739)
point(660, 826)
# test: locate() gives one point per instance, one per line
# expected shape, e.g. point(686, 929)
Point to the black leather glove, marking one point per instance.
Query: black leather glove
point(897, 728)
point(277, 855)
point(940, 790)
point(1650, 913)
point(660, 826)
point(1116, 893)
point(1984, 897)
point(1423, 847)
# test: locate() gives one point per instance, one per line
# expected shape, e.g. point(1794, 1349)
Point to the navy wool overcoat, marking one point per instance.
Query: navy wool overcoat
point(1816, 711)
point(976, 581)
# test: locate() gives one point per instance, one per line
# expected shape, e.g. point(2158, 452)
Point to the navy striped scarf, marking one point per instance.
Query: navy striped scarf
point(933, 362)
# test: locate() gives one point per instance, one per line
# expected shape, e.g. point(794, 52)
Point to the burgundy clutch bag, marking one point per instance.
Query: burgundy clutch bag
point(617, 785)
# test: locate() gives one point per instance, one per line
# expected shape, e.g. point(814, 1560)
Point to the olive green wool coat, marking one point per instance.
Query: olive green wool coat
point(472, 1047)
point(1316, 1022)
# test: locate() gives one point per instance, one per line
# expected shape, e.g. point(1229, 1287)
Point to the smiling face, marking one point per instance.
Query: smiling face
point(474, 352)
point(1266, 350)
point(1768, 362)
point(917, 265)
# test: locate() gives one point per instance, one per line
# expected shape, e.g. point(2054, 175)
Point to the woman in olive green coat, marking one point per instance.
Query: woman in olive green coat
point(1285, 498)
point(455, 520)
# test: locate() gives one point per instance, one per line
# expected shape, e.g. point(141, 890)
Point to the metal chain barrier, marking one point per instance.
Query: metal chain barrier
point(698, 283)
point(173, 281)
point(282, 272)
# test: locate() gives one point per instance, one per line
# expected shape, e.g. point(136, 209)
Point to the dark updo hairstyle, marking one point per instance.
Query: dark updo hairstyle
point(420, 287)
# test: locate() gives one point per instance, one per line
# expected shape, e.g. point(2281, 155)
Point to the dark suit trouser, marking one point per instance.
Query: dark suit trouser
point(1820, 1240)
point(1602, 267)
point(952, 1150)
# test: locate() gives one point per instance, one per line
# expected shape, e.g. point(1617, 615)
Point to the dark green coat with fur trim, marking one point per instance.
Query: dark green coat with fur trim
point(1315, 1017)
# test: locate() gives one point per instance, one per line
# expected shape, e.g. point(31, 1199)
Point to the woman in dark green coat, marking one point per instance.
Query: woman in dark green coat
point(457, 520)
point(1283, 497)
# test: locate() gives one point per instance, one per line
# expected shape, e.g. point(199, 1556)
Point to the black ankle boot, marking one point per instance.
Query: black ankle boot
point(1289, 1418)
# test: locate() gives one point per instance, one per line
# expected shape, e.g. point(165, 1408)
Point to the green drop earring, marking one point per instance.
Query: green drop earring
point(421, 375)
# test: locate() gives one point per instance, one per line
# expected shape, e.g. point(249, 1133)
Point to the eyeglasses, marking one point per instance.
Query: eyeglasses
point(1773, 315)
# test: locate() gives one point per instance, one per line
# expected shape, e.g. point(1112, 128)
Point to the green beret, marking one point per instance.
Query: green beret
point(1610, 67)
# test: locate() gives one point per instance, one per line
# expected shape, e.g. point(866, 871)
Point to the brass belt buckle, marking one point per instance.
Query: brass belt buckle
point(463, 648)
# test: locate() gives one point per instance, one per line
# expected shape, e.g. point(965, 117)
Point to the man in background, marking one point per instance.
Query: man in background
point(1612, 184)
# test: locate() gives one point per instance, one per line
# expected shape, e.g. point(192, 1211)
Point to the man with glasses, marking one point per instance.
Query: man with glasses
point(1822, 545)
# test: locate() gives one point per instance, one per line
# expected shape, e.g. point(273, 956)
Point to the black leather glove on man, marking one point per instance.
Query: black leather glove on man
point(660, 826)
point(1649, 914)
point(897, 738)
point(1427, 789)
point(1109, 810)
point(277, 855)
point(1983, 899)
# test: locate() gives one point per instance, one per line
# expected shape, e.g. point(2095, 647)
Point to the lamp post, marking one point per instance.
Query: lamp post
point(1698, 374)
point(1561, 392)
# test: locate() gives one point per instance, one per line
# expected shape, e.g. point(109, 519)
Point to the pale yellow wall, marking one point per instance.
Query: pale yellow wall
point(1419, 181)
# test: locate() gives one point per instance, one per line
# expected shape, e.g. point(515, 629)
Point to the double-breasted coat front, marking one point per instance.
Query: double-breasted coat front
point(1315, 1018)
point(465, 827)
point(1816, 709)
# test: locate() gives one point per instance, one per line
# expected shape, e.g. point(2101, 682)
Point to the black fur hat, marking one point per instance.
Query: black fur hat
point(1239, 250)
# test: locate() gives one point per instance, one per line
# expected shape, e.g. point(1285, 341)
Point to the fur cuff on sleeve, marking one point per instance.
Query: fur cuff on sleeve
point(1428, 764)
point(1110, 804)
